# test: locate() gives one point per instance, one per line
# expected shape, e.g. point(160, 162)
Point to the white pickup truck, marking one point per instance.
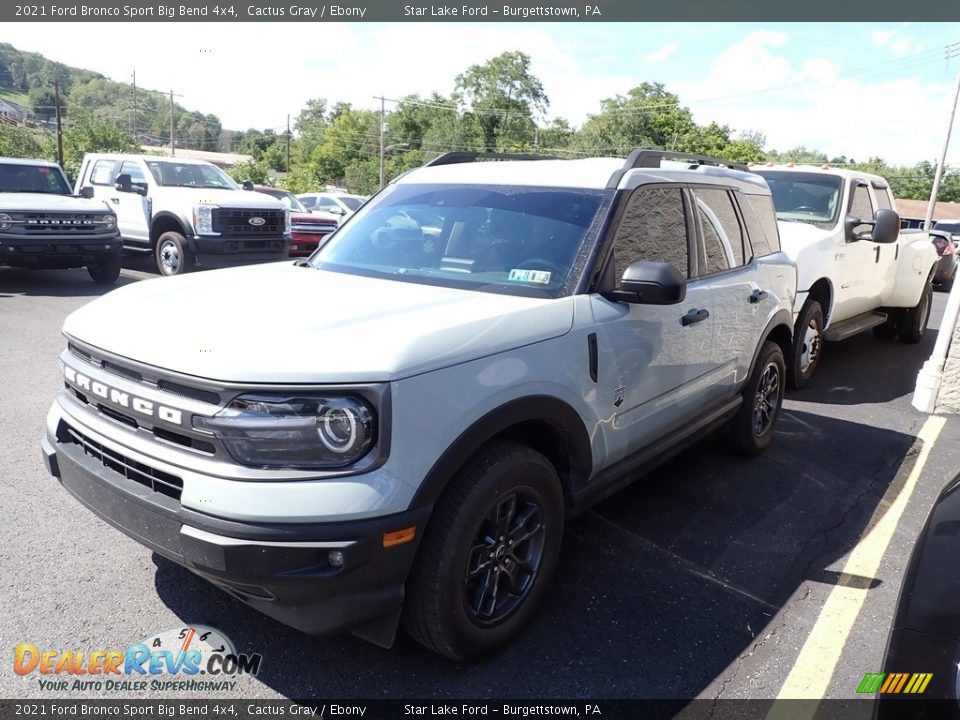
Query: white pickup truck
point(855, 270)
point(186, 213)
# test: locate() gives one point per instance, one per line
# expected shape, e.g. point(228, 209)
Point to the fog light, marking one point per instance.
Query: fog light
point(335, 558)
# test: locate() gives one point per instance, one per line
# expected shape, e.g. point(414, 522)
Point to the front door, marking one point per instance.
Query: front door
point(132, 209)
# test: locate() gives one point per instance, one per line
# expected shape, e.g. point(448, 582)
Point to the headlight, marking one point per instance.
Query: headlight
point(203, 219)
point(293, 431)
point(286, 221)
point(6, 222)
point(109, 222)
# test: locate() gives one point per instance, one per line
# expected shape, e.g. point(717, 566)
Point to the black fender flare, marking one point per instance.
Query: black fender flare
point(782, 317)
point(562, 418)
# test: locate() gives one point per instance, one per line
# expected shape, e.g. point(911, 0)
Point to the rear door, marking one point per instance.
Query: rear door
point(647, 352)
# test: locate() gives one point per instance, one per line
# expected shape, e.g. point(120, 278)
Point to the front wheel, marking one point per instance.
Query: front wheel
point(173, 255)
point(751, 430)
point(913, 322)
point(488, 555)
point(807, 345)
point(106, 271)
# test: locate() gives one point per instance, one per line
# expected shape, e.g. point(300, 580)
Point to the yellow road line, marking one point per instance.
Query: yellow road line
point(811, 673)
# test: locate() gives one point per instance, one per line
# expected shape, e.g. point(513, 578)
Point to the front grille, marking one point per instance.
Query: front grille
point(230, 221)
point(156, 480)
point(60, 224)
point(120, 370)
point(207, 396)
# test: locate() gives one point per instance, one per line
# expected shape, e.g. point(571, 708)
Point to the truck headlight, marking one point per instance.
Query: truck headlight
point(6, 222)
point(203, 219)
point(286, 221)
point(109, 222)
point(293, 431)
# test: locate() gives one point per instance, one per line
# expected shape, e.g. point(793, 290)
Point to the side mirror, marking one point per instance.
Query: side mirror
point(86, 192)
point(247, 185)
point(886, 226)
point(123, 183)
point(337, 211)
point(650, 283)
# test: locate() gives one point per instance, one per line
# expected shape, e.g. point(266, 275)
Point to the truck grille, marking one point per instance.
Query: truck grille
point(156, 480)
point(59, 224)
point(228, 221)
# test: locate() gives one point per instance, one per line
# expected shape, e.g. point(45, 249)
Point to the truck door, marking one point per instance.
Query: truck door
point(888, 255)
point(132, 208)
point(860, 283)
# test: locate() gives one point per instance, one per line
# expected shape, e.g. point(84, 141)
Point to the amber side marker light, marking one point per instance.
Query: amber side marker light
point(399, 537)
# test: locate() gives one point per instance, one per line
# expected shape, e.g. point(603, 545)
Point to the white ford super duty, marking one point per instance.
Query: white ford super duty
point(186, 213)
point(855, 270)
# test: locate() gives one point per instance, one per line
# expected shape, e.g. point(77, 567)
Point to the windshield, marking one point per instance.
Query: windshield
point(32, 179)
point(351, 201)
point(286, 197)
point(514, 240)
point(804, 197)
point(951, 227)
point(174, 174)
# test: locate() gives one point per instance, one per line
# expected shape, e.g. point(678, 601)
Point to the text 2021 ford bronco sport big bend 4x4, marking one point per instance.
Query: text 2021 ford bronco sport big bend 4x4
point(411, 452)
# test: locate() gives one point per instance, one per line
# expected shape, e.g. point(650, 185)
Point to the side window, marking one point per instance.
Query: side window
point(309, 202)
point(883, 197)
point(133, 170)
point(723, 235)
point(860, 203)
point(102, 172)
point(653, 227)
point(764, 213)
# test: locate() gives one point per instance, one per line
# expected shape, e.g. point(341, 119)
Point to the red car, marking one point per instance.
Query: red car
point(308, 228)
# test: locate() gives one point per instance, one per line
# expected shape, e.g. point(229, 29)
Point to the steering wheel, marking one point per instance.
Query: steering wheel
point(541, 264)
point(805, 207)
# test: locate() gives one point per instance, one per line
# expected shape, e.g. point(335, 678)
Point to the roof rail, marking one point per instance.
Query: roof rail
point(652, 159)
point(454, 158)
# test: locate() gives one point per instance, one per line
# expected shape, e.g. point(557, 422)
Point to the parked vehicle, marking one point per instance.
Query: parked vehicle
point(856, 271)
point(187, 213)
point(950, 226)
point(946, 247)
point(342, 204)
point(412, 453)
point(308, 228)
point(42, 225)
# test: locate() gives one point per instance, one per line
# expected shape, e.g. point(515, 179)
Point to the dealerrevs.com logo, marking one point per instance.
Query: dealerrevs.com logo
point(195, 658)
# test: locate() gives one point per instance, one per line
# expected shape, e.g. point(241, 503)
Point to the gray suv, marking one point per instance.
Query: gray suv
point(409, 450)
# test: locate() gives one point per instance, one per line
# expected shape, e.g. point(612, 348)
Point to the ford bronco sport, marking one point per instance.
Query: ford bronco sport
point(409, 452)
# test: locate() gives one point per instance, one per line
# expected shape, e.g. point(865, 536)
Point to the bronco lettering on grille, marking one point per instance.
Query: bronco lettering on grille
point(122, 399)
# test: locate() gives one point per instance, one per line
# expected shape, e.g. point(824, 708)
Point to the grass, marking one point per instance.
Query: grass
point(9, 93)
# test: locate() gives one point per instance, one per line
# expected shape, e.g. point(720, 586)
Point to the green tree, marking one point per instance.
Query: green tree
point(88, 133)
point(255, 172)
point(43, 102)
point(19, 142)
point(503, 95)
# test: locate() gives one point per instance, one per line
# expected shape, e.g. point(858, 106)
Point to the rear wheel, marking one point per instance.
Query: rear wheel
point(751, 430)
point(807, 344)
point(106, 271)
point(173, 255)
point(913, 323)
point(490, 550)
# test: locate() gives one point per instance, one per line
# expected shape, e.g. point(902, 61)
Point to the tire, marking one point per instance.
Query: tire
point(107, 270)
point(807, 345)
point(447, 609)
point(887, 331)
point(172, 254)
point(752, 429)
point(913, 322)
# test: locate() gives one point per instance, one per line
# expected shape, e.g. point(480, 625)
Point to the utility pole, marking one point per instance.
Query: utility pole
point(288, 142)
point(383, 121)
point(56, 100)
point(134, 128)
point(952, 51)
point(173, 146)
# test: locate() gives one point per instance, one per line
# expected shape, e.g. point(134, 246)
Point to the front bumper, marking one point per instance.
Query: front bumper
point(46, 252)
point(226, 251)
point(283, 570)
point(303, 243)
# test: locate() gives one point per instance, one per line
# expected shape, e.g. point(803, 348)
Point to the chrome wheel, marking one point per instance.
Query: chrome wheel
point(170, 259)
point(810, 350)
point(504, 558)
point(767, 400)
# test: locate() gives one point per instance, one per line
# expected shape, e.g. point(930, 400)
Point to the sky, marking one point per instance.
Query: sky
point(854, 89)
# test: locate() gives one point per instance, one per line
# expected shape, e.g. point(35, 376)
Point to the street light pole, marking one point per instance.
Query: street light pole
point(938, 172)
point(383, 154)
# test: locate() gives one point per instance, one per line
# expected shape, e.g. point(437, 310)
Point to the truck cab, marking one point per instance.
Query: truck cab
point(187, 213)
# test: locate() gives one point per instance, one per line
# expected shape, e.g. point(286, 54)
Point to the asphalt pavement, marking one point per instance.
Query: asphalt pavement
point(702, 579)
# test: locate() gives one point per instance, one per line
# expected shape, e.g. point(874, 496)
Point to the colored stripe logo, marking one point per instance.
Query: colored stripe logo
point(895, 683)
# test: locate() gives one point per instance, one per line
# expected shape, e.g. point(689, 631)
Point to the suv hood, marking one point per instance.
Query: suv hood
point(280, 323)
point(48, 202)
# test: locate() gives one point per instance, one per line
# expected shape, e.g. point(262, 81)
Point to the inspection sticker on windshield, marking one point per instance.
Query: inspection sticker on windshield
point(541, 277)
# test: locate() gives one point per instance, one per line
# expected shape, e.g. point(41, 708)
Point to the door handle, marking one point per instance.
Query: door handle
point(758, 295)
point(694, 316)
point(115, 201)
